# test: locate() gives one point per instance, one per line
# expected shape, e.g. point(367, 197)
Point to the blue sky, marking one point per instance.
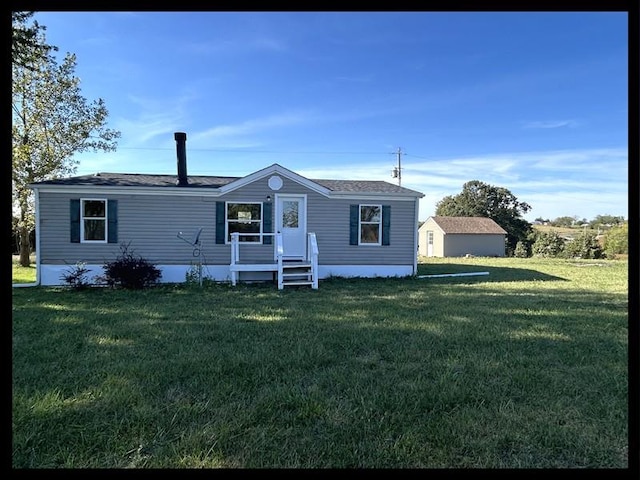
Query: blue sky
point(535, 102)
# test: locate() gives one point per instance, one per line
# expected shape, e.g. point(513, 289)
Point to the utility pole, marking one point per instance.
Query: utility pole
point(397, 171)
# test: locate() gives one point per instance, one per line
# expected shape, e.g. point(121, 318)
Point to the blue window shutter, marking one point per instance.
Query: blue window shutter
point(220, 222)
point(74, 212)
point(386, 224)
point(267, 221)
point(353, 225)
point(112, 215)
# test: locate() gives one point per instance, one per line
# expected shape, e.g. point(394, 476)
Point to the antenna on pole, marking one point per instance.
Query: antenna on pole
point(397, 171)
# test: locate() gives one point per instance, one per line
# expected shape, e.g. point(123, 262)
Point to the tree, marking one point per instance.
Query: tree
point(565, 221)
point(479, 199)
point(548, 244)
point(27, 42)
point(605, 221)
point(616, 241)
point(52, 121)
point(584, 245)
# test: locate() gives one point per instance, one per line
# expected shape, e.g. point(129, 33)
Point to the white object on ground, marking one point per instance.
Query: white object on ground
point(454, 275)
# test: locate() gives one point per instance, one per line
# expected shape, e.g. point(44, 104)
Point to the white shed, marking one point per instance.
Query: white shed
point(459, 236)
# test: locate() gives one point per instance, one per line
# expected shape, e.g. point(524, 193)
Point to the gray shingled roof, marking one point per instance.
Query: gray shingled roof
point(453, 225)
point(197, 181)
point(139, 180)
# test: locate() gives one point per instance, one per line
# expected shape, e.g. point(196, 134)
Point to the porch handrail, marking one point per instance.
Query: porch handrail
point(312, 257)
point(235, 243)
point(279, 251)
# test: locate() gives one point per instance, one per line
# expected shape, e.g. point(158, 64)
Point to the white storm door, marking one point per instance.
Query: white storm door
point(291, 215)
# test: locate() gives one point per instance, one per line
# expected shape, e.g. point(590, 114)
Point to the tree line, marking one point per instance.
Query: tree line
point(600, 221)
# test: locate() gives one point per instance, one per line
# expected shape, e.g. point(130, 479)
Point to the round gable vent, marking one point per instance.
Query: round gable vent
point(275, 182)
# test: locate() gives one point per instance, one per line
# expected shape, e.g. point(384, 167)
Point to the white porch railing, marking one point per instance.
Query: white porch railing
point(279, 265)
point(312, 257)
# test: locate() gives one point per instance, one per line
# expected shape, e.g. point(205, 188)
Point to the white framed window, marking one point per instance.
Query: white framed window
point(93, 220)
point(370, 225)
point(244, 217)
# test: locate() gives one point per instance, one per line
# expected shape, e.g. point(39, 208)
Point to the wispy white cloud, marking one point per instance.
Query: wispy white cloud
point(154, 119)
point(550, 124)
point(253, 126)
point(542, 179)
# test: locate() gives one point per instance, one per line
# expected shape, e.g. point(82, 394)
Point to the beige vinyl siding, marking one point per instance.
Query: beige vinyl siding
point(438, 238)
point(459, 245)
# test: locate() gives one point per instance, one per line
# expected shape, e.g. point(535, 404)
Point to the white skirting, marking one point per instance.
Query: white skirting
point(51, 274)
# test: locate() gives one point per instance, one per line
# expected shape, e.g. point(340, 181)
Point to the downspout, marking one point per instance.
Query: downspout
point(37, 214)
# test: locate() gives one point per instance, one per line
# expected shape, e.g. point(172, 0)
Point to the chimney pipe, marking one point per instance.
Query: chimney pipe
point(181, 150)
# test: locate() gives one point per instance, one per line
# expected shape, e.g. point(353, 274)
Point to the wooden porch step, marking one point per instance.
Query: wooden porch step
point(254, 267)
point(296, 265)
point(297, 282)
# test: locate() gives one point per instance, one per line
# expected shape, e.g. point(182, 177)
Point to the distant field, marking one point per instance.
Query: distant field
point(565, 231)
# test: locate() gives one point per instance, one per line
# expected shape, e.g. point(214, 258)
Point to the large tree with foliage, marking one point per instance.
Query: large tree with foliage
point(27, 40)
point(52, 122)
point(479, 199)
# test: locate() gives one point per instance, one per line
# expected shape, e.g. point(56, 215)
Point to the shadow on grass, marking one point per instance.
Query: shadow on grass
point(256, 377)
point(496, 274)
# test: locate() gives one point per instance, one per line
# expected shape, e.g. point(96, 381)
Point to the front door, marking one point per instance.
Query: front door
point(291, 215)
point(429, 243)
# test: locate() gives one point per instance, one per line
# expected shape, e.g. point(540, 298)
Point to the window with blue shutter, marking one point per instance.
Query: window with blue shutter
point(112, 217)
point(220, 223)
point(74, 215)
point(354, 226)
point(369, 225)
point(386, 224)
point(93, 220)
point(267, 222)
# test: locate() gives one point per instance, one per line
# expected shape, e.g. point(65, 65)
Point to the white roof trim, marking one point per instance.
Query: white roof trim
point(433, 221)
point(230, 187)
point(126, 190)
point(376, 195)
point(272, 170)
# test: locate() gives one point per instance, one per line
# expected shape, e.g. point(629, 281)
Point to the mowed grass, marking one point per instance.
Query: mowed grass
point(523, 368)
point(20, 274)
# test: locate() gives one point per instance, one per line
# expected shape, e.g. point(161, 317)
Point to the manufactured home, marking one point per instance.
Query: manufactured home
point(272, 224)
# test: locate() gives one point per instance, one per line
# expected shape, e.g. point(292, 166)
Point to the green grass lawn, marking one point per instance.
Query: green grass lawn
point(523, 368)
point(22, 274)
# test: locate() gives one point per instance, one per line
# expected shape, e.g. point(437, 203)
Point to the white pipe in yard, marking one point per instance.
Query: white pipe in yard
point(470, 274)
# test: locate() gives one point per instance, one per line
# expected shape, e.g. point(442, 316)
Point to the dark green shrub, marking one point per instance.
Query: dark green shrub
point(130, 271)
point(76, 276)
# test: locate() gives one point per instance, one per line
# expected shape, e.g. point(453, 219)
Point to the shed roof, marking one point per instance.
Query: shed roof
point(468, 225)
